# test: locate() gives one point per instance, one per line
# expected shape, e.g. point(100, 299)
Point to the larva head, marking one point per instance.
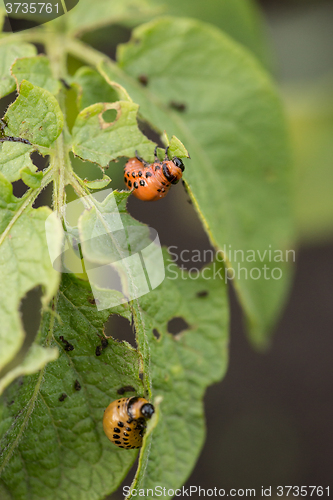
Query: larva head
point(173, 170)
point(139, 408)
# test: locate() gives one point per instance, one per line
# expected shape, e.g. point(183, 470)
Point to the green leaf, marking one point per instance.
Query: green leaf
point(93, 88)
point(98, 183)
point(31, 179)
point(109, 236)
point(8, 53)
point(87, 16)
point(240, 19)
point(24, 264)
point(37, 71)
point(72, 446)
point(36, 358)
point(14, 157)
point(182, 367)
point(169, 360)
point(233, 126)
point(177, 148)
point(52, 440)
point(100, 141)
point(35, 116)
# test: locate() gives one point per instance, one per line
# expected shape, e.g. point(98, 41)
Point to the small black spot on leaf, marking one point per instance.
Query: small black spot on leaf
point(156, 334)
point(179, 106)
point(77, 385)
point(62, 397)
point(143, 79)
point(202, 294)
point(105, 343)
point(99, 350)
point(126, 388)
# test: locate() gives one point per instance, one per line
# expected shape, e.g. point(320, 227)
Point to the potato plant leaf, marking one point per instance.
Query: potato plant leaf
point(71, 452)
point(85, 18)
point(101, 141)
point(35, 116)
point(24, 264)
point(9, 52)
point(230, 118)
point(182, 367)
point(36, 358)
point(93, 88)
point(14, 157)
point(52, 440)
point(37, 71)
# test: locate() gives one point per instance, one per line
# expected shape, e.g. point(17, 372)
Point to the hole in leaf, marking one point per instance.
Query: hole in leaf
point(45, 197)
point(30, 310)
point(106, 40)
point(120, 329)
point(19, 188)
point(149, 132)
point(7, 101)
point(177, 325)
point(109, 115)
point(156, 334)
point(40, 161)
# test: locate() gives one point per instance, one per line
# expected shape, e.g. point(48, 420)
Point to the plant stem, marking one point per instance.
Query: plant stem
point(55, 49)
point(28, 200)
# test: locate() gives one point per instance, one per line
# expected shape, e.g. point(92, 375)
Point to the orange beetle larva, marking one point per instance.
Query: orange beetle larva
point(124, 421)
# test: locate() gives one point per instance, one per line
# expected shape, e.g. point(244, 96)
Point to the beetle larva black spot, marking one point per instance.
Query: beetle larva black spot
point(157, 168)
point(116, 429)
point(136, 185)
point(126, 433)
point(142, 183)
point(148, 174)
point(117, 442)
point(140, 173)
point(159, 190)
point(129, 184)
point(116, 436)
point(127, 173)
point(120, 424)
point(128, 429)
point(133, 174)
